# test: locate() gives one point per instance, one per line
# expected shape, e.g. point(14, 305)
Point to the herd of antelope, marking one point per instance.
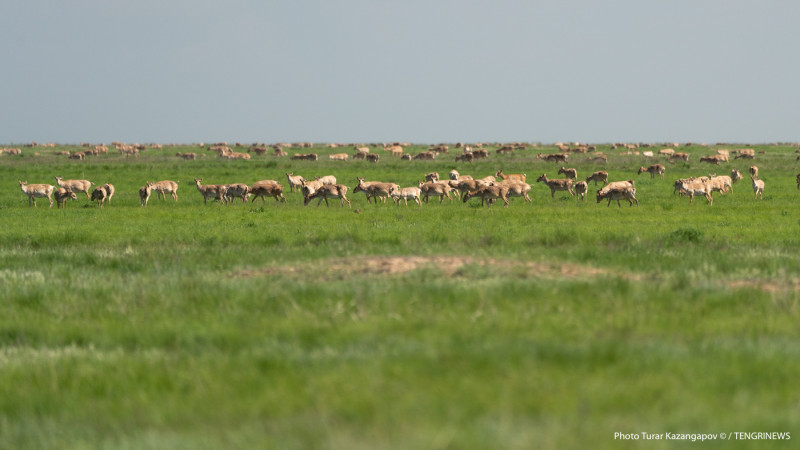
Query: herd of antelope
point(500, 186)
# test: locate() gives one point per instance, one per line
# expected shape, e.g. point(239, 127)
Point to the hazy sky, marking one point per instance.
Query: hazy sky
point(378, 70)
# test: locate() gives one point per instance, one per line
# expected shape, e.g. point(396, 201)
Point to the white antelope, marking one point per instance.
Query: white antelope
point(406, 194)
point(37, 190)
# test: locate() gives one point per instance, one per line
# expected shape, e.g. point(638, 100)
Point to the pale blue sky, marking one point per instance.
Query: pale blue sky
point(420, 71)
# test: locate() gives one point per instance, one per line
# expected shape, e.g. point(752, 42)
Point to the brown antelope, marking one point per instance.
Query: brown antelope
point(653, 170)
point(517, 189)
point(210, 191)
point(144, 193)
point(600, 175)
point(440, 190)
point(487, 194)
point(100, 195)
point(618, 194)
point(329, 191)
point(375, 189)
point(568, 172)
point(37, 190)
point(267, 188)
point(736, 176)
point(62, 195)
point(557, 185)
point(235, 190)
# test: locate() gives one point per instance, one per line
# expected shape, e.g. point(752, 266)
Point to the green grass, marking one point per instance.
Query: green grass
point(552, 325)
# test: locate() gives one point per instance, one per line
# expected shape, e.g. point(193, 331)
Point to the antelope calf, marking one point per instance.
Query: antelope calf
point(37, 190)
point(557, 185)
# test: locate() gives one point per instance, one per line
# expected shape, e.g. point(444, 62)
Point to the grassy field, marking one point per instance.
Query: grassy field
point(552, 325)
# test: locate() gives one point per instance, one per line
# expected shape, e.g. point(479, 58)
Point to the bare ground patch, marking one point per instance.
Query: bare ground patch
point(451, 266)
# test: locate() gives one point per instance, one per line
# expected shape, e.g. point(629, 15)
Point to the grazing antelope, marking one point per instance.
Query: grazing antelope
point(557, 185)
point(144, 193)
point(628, 194)
point(267, 188)
point(37, 190)
point(487, 194)
point(62, 195)
point(165, 187)
point(653, 170)
point(210, 191)
point(75, 185)
point(329, 191)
